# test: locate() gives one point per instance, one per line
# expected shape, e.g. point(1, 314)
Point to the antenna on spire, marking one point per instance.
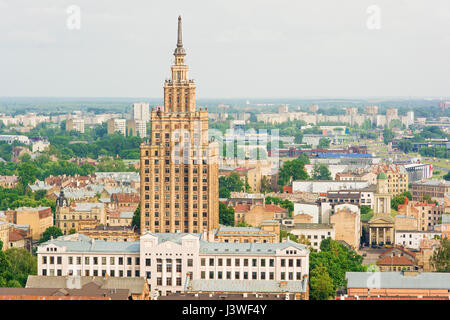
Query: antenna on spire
point(180, 40)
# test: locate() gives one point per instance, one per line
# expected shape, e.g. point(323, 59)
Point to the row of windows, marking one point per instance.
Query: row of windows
point(177, 188)
point(177, 170)
point(254, 262)
point(254, 275)
point(156, 205)
point(95, 273)
point(168, 281)
point(177, 162)
point(95, 260)
point(177, 196)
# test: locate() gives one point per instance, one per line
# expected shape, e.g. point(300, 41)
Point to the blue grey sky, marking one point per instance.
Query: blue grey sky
point(235, 48)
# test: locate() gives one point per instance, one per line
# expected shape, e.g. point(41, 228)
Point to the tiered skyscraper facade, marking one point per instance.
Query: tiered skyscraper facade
point(179, 165)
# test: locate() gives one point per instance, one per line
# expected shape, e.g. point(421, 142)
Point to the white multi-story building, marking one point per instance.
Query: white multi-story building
point(323, 186)
point(117, 125)
point(167, 259)
point(314, 232)
point(40, 145)
point(411, 238)
point(10, 138)
point(137, 128)
point(140, 111)
point(75, 124)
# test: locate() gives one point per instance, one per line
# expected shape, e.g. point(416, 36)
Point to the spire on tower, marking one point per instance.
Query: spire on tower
point(179, 50)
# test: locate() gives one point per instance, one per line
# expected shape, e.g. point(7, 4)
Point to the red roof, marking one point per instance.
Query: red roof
point(15, 236)
point(242, 207)
point(399, 248)
point(274, 208)
point(126, 197)
point(395, 261)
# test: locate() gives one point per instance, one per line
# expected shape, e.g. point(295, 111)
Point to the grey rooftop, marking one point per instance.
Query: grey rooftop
point(398, 280)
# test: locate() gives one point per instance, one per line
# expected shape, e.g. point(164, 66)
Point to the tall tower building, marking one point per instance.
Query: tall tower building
point(140, 111)
point(179, 165)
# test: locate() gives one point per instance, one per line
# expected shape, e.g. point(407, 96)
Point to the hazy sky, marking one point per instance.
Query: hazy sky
point(235, 48)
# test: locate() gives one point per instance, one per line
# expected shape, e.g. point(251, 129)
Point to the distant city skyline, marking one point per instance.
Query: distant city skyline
point(237, 50)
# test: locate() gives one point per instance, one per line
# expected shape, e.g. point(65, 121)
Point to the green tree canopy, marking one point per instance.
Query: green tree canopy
point(298, 137)
point(388, 135)
point(22, 263)
point(400, 199)
point(323, 143)
point(136, 221)
point(321, 284)
point(337, 259)
point(440, 259)
point(51, 232)
point(321, 172)
point(293, 170)
point(226, 215)
point(232, 183)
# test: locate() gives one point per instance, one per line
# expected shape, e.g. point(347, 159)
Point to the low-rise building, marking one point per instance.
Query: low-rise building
point(397, 259)
point(323, 186)
point(69, 217)
point(127, 288)
point(165, 259)
point(314, 232)
point(433, 188)
point(118, 218)
point(245, 235)
point(412, 239)
point(346, 221)
point(39, 219)
point(364, 197)
point(407, 284)
point(125, 200)
point(8, 182)
point(108, 233)
point(258, 213)
point(425, 216)
point(397, 177)
point(243, 290)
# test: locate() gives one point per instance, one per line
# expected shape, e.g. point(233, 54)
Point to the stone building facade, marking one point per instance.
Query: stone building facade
point(179, 166)
point(167, 259)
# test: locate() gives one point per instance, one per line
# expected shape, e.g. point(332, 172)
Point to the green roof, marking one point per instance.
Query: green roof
point(381, 175)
